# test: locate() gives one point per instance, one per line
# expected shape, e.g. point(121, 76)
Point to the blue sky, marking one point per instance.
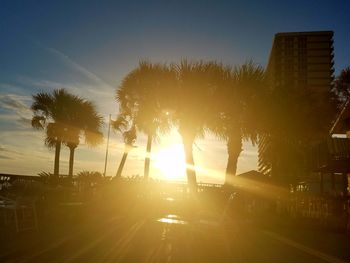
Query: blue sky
point(88, 46)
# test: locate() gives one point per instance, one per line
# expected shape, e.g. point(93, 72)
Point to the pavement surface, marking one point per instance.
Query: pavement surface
point(168, 238)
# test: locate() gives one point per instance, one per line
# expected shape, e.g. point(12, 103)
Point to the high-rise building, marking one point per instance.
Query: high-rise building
point(298, 60)
point(302, 59)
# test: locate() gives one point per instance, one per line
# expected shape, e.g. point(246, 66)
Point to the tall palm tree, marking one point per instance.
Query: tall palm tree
point(141, 98)
point(85, 122)
point(192, 106)
point(51, 113)
point(239, 103)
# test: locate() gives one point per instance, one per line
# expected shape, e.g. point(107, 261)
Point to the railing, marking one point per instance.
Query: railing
point(317, 210)
point(331, 155)
point(11, 177)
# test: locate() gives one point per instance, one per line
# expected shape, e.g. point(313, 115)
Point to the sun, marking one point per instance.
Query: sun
point(170, 162)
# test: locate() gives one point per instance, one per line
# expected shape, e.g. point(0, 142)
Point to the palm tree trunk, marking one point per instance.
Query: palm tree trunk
point(190, 166)
point(234, 148)
point(121, 165)
point(56, 169)
point(122, 162)
point(148, 156)
point(71, 159)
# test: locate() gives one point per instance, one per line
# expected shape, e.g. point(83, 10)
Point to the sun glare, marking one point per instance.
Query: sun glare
point(170, 162)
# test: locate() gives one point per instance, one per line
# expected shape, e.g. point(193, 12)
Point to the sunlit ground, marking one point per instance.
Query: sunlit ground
point(123, 228)
point(172, 219)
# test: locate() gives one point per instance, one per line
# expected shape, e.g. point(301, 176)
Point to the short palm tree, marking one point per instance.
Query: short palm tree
point(63, 116)
point(86, 123)
point(141, 98)
point(51, 112)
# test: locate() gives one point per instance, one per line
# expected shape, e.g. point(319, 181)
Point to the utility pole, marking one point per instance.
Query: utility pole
point(109, 130)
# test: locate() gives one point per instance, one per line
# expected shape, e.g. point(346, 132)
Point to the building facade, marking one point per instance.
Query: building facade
point(299, 61)
point(302, 60)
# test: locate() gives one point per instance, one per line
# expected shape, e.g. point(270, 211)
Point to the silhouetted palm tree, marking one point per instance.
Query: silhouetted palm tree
point(50, 113)
point(129, 136)
point(192, 106)
point(141, 97)
point(85, 122)
point(63, 116)
point(239, 105)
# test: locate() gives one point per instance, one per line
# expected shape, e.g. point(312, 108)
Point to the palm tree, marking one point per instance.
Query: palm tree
point(239, 101)
point(64, 116)
point(129, 136)
point(86, 123)
point(342, 84)
point(51, 112)
point(141, 97)
point(193, 106)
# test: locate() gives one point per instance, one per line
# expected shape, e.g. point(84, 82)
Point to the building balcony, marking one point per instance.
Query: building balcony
point(331, 156)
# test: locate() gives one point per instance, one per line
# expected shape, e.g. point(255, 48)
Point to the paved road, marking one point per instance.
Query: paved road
point(166, 239)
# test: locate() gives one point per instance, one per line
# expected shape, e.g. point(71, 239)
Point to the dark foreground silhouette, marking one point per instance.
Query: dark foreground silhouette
point(138, 222)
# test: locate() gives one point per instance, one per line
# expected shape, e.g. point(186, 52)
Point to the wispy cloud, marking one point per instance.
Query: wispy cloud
point(77, 67)
point(8, 153)
point(31, 133)
point(76, 87)
point(5, 157)
point(18, 109)
point(84, 83)
point(25, 122)
point(40, 83)
point(5, 149)
point(7, 86)
point(15, 102)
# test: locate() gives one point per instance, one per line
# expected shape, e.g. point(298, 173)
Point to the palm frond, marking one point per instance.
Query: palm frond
point(38, 122)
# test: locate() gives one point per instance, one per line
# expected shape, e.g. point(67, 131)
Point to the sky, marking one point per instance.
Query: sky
point(88, 47)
